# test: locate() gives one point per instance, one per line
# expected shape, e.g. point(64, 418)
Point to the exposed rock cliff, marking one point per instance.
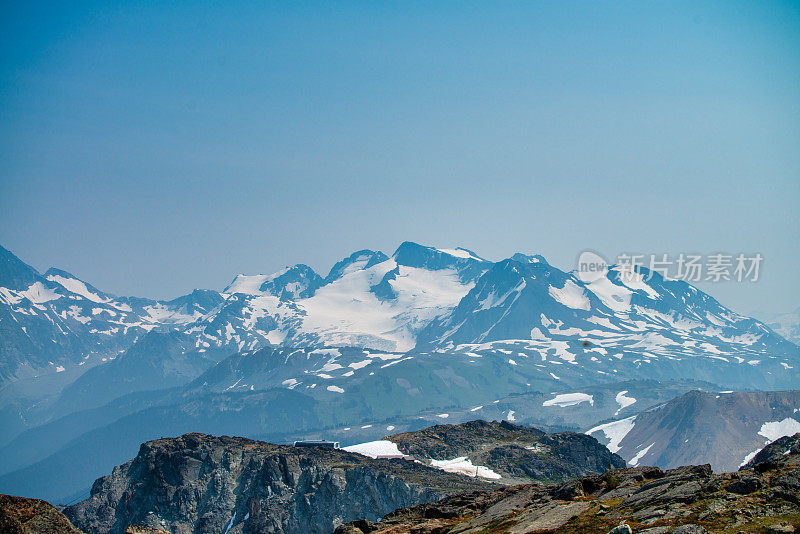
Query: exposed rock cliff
point(206, 484)
point(773, 452)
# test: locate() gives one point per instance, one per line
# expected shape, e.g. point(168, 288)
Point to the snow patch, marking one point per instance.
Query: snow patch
point(569, 399)
point(464, 466)
point(373, 449)
point(571, 295)
point(639, 455)
point(615, 432)
point(777, 429)
point(623, 400)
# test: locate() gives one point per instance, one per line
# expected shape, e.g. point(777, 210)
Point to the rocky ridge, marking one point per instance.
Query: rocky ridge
point(517, 453)
point(206, 484)
point(762, 498)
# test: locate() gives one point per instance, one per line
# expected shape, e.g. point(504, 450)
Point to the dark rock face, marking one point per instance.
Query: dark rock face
point(685, 500)
point(206, 484)
point(773, 452)
point(745, 485)
point(19, 515)
point(518, 453)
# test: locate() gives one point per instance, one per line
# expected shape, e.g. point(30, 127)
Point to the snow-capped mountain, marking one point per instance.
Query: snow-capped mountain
point(55, 320)
point(421, 299)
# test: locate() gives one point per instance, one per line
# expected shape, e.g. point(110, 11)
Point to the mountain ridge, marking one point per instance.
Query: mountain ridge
point(420, 298)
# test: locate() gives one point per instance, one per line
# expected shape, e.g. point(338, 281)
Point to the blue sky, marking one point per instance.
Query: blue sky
point(152, 148)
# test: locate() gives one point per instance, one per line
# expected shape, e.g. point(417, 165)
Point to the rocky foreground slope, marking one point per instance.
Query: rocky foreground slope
point(762, 498)
point(19, 515)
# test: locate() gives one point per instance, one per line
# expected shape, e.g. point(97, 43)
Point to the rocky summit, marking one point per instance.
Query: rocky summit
point(762, 498)
point(206, 484)
point(201, 483)
point(516, 453)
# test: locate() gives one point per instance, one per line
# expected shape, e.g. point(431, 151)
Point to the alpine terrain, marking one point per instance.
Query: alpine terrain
point(380, 345)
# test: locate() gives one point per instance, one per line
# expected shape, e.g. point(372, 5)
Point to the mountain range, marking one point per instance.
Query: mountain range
point(423, 336)
point(420, 299)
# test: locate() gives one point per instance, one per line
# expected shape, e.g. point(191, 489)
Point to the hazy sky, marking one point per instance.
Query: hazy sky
point(151, 149)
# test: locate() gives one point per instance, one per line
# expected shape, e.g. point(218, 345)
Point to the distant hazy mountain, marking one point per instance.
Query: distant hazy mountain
point(54, 321)
point(723, 429)
point(785, 324)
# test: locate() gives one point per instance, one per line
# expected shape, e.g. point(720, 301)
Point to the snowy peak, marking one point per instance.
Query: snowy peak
point(466, 263)
point(294, 283)
point(524, 258)
point(298, 281)
point(362, 259)
point(509, 301)
point(424, 298)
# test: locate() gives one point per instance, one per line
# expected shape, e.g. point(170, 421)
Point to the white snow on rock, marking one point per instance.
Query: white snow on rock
point(464, 466)
point(335, 389)
point(251, 284)
point(623, 400)
point(749, 457)
point(773, 430)
point(39, 294)
point(347, 312)
point(163, 314)
point(569, 399)
point(373, 449)
point(616, 297)
point(615, 432)
point(639, 455)
point(571, 295)
point(73, 285)
point(635, 281)
point(460, 253)
point(777, 429)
